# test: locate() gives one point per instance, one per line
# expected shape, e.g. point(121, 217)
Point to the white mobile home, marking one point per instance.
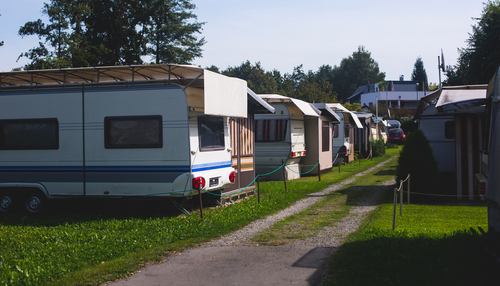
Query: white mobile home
point(343, 133)
point(155, 130)
point(319, 132)
point(452, 120)
point(280, 137)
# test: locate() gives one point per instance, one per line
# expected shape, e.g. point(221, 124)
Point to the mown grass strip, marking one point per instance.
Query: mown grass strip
point(88, 248)
point(327, 212)
point(432, 245)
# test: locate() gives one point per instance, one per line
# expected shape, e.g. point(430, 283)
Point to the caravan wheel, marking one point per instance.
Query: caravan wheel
point(6, 203)
point(34, 203)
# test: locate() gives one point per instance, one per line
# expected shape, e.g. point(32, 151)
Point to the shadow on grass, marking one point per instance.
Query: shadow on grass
point(69, 211)
point(383, 257)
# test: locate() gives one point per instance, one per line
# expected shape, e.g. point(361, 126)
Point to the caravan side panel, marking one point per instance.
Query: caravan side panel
point(118, 165)
point(36, 113)
point(441, 135)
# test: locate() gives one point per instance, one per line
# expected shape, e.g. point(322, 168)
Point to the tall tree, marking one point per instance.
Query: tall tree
point(257, 78)
point(111, 32)
point(478, 61)
point(420, 75)
point(171, 33)
point(354, 71)
point(55, 36)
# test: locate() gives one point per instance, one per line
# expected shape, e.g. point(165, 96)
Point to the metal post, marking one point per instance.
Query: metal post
point(319, 172)
point(408, 197)
point(400, 201)
point(394, 210)
point(201, 205)
point(339, 163)
point(258, 188)
point(284, 174)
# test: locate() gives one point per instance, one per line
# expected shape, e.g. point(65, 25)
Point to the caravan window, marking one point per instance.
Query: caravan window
point(23, 134)
point(449, 130)
point(211, 133)
point(325, 136)
point(335, 130)
point(270, 130)
point(133, 132)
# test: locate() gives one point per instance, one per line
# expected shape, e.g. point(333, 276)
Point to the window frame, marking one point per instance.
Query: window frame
point(33, 121)
point(107, 131)
point(216, 148)
point(449, 129)
point(267, 126)
point(325, 136)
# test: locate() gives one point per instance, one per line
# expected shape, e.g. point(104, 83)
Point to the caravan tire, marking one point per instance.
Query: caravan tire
point(6, 203)
point(34, 203)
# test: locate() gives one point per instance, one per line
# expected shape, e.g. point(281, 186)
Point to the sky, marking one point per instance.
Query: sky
point(283, 34)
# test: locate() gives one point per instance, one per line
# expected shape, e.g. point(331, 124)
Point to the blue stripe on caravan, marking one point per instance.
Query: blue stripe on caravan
point(211, 166)
point(135, 169)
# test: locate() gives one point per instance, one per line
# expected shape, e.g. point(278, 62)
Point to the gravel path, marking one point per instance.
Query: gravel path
point(329, 237)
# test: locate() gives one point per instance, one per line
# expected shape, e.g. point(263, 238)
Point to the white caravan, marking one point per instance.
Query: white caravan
point(280, 137)
point(343, 133)
point(125, 131)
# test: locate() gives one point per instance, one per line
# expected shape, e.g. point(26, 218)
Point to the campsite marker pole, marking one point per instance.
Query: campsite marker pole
point(408, 189)
point(401, 200)
point(394, 209)
point(284, 174)
point(201, 205)
point(258, 188)
point(319, 172)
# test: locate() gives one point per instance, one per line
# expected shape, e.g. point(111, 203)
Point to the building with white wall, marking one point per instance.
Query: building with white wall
point(396, 94)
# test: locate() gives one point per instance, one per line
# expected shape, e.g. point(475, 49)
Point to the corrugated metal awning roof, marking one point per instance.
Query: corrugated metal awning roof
point(181, 74)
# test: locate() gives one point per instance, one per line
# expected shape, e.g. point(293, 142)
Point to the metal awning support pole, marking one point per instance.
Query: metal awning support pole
point(133, 71)
point(394, 209)
point(190, 81)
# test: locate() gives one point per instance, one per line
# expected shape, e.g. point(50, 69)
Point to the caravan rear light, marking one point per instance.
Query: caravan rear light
point(297, 154)
point(481, 188)
point(198, 183)
point(232, 176)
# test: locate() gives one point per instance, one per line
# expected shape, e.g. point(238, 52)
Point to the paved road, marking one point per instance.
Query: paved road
point(238, 265)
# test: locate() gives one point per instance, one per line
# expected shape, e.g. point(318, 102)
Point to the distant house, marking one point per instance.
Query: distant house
point(396, 94)
point(451, 119)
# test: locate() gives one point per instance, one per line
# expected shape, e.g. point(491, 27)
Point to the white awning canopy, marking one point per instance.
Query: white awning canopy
point(341, 108)
point(453, 95)
point(326, 109)
point(303, 106)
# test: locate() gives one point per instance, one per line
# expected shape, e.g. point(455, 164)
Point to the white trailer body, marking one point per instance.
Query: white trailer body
point(280, 137)
point(440, 131)
point(343, 141)
point(118, 140)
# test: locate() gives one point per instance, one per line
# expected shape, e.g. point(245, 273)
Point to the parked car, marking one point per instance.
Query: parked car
point(396, 136)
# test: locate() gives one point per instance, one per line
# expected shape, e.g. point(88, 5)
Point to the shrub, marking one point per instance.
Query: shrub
point(378, 147)
point(417, 159)
point(408, 125)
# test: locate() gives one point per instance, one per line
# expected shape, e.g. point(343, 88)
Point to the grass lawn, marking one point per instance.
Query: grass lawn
point(111, 239)
point(431, 245)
